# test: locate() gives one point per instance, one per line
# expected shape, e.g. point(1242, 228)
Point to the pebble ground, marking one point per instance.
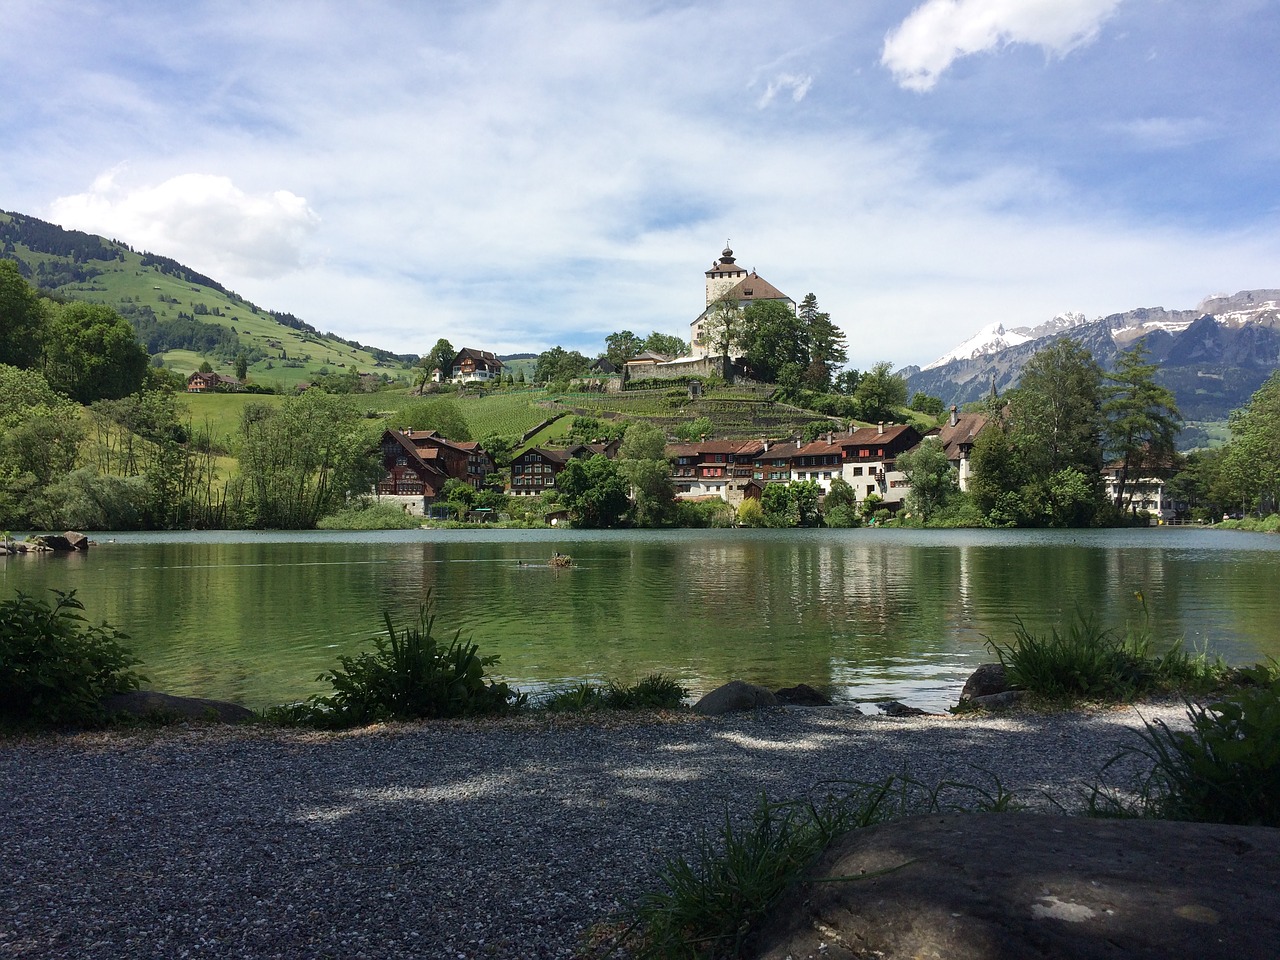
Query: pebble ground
point(511, 838)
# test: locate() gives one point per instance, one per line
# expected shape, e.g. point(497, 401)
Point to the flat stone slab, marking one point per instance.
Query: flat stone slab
point(153, 704)
point(1011, 886)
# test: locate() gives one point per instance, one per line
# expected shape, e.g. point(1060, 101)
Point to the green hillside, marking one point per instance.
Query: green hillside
point(183, 317)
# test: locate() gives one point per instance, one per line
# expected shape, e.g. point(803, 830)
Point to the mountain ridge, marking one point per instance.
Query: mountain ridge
point(1213, 362)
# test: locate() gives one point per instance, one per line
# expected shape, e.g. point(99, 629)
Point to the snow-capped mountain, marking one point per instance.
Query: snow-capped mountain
point(1212, 357)
point(990, 339)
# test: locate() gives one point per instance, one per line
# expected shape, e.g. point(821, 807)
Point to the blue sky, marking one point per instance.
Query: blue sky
point(513, 176)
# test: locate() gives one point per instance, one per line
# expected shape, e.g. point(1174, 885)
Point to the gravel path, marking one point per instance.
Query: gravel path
point(500, 839)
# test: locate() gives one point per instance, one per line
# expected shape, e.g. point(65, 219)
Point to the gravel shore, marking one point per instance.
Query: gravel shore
point(454, 840)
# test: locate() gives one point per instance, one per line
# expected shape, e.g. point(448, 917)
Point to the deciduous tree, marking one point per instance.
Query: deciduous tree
point(91, 353)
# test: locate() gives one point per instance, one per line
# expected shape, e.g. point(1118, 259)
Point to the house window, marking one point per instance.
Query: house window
point(857, 471)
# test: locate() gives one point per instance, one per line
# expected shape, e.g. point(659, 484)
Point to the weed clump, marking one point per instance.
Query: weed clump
point(1225, 769)
point(1084, 661)
point(55, 667)
point(409, 675)
point(654, 692)
point(709, 905)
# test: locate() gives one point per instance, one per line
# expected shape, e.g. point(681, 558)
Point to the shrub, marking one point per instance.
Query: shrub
point(1225, 769)
point(55, 668)
point(1086, 662)
point(370, 515)
point(1082, 662)
point(408, 676)
point(654, 692)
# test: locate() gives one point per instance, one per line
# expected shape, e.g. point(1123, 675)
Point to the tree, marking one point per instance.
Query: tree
point(298, 461)
point(440, 358)
point(595, 493)
point(205, 366)
point(1251, 460)
point(439, 414)
point(40, 437)
point(1057, 410)
point(931, 476)
point(804, 500)
point(880, 392)
point(722, 328)
point(1041, 465)
point(827, 348)
point(22, 318)
point(772, 337)
point(242, 367)
point(926, 404)
point(1142, 418)
point(91, 353)
point(559, 365)
point(779, 509)
point(840, 506)
point(622, 346)
point(665, 344)
point(643, 463)
point(846, 382)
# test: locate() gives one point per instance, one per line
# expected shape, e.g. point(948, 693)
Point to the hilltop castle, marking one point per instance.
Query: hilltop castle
point(727, 281)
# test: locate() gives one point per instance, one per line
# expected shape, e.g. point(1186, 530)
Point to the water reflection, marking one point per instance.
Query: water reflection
point(867, 613)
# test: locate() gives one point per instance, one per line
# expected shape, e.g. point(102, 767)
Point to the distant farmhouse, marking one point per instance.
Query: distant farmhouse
point(472, 366)
point(212, 383)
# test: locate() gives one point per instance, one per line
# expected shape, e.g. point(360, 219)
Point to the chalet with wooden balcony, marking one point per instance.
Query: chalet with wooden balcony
point(536, 469)
point(418, 463)
point(471, 366)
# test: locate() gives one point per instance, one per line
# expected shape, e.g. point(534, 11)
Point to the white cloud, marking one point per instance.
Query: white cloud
point(939, 32)
point(201, 219)
point(798, 85)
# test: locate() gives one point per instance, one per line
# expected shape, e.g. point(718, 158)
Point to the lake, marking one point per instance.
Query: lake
point(868, 614)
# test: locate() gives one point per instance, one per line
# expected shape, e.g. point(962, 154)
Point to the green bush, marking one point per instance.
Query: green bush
point(1081, 662)
point(369, 515)
point(55, 667)
point(408, 676)
point(1086, 662)
point(654, 692)
point(1226, 769)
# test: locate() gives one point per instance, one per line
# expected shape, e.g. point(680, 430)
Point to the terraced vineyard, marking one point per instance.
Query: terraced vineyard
point(734, 415)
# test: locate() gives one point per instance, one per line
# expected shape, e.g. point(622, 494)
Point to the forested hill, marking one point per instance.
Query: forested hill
point(181, 315)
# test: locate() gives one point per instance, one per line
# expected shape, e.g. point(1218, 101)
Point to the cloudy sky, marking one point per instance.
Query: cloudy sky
point(515, 175)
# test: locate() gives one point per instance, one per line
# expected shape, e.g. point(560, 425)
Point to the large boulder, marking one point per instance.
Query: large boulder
point(987, 680)
point(151, 705)
point(802, 695)
point(735, 697)
point(976, 886)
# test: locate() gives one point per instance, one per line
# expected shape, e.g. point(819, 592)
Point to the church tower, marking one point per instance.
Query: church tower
point(724, 275)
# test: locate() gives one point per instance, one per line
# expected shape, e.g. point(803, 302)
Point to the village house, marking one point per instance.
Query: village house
point(212, 383)
point(705, 469)
point(868, 458)
point(472, 366)
point(418, 463)
point(536, 469)
point(958, 435)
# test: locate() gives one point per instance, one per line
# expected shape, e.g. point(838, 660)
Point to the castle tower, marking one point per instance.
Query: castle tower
point(723, 276)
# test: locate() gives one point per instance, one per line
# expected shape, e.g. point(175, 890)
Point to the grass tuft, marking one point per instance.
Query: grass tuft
point(710, 904)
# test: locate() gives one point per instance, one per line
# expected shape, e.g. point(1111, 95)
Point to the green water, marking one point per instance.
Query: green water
point(869, 614)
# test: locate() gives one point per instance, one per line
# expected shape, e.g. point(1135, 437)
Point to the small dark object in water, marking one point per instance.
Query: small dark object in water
point(560, 560)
